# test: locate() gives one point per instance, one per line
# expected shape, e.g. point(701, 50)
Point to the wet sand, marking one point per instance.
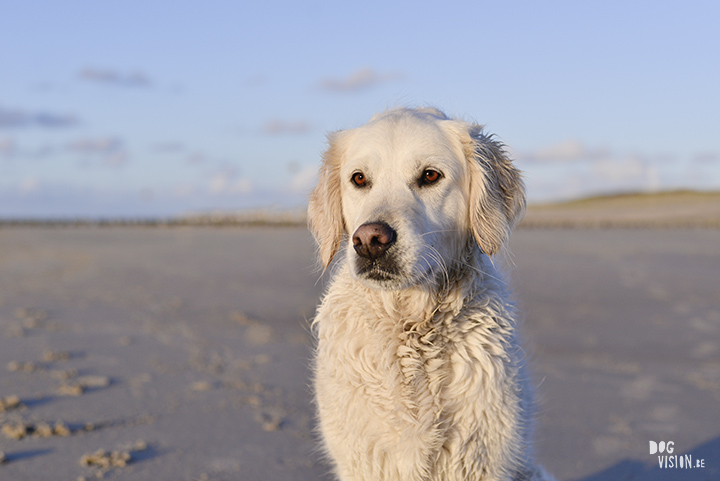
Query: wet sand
point(183, 353)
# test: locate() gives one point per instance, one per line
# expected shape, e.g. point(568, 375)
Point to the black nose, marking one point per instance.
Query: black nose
point(373, 239)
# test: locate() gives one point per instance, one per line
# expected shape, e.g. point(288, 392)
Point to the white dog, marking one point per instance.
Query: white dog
point(418, 371)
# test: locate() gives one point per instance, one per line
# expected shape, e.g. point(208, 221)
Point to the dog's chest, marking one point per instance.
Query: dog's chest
point(405, 369)
point(409, 390)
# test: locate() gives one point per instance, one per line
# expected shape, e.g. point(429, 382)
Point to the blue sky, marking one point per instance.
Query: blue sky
point(159, 108)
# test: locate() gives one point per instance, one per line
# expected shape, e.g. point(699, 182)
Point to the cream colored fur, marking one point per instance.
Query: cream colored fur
point(419, 375)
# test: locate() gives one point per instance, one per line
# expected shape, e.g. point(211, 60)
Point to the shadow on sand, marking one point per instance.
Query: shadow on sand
point(11, 457)
point(633, 470)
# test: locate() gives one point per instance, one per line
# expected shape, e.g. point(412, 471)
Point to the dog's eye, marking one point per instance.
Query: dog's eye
point(359, 179)
point(430, 176)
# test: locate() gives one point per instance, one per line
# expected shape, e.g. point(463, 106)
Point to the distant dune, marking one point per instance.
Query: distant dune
point(657, 210)
point(675, 209)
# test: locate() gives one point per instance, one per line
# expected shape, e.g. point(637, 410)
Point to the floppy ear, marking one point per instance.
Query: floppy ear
point(496, 190)
point(325, 207)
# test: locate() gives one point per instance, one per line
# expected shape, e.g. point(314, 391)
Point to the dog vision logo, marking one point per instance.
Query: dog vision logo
point(668, 460)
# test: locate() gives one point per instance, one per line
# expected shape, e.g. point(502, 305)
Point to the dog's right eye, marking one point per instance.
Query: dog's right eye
point(359, 179)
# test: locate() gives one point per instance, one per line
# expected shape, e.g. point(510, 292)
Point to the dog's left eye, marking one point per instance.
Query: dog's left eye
point(429, 176)
point(359, 179)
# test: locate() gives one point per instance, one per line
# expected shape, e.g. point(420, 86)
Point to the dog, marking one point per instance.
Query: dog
point(418, 372)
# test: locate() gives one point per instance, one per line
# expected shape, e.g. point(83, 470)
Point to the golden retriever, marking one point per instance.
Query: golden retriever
point(418, 371)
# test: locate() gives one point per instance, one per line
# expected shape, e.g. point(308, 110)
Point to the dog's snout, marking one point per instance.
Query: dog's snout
point(373, 239)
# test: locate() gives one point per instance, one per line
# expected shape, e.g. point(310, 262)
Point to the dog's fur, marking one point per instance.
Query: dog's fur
point(418, 372)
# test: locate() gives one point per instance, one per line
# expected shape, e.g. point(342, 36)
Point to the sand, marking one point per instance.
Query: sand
point(182, 353)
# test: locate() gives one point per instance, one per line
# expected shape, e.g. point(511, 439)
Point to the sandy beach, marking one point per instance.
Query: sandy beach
point(145, 353)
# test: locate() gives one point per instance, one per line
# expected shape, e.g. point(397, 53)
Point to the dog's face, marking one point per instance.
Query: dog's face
point(405, 179)
point(409, 190)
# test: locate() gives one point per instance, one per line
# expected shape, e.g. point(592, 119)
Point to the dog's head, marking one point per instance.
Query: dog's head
point(410, 189)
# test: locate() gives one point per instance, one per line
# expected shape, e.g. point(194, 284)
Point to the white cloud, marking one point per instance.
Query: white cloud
point(29, 185)
point(619, 169)
point(104, 151)
point(184, 190)
point(303, 180)
point(362, 79)
point(568, 150)
point(168, 147)
point(707, 157)
point(7, 147)
point(227, 182)
point(95, 145)
point(113, 77)
point(565, 151)
point(628, 173)
point(279, 127)
point(195, 158)
point(115, 159)
point(570, 169)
